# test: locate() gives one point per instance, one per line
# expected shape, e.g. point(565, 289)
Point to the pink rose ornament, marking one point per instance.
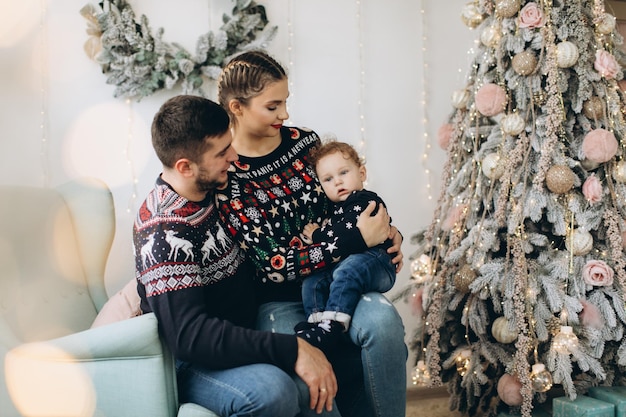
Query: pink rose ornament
point(598, 273)
point(531, 16)
point(592, 189)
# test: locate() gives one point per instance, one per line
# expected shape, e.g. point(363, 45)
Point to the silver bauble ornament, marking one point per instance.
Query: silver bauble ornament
point(490, 36)
point(579, 242)
point(491, 166)
point(502, 332)
point(619, 172)
point(512, 124)
point(589, 165)
point(471, 16)
point(525, 62)
point(566, 54)
point(507, 8)
point(560, 179)
point(460, 99)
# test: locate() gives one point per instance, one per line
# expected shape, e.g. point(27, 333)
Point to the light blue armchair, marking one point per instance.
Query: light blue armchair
point(54, 244)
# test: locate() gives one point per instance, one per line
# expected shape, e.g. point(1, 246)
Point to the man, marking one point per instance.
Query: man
point(199, 285)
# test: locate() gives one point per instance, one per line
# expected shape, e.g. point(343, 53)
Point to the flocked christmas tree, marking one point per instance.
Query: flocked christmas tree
point(518, 283)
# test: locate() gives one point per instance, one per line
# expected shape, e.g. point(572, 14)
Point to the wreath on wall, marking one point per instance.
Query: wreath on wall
point(139, 63)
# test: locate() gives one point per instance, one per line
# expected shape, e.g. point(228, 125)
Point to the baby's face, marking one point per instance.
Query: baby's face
point(339, 176)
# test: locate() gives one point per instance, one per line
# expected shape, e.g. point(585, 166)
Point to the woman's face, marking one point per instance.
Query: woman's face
point(264, 114)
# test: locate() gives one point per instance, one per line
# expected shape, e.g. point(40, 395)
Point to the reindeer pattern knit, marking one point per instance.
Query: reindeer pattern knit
point(196, 280)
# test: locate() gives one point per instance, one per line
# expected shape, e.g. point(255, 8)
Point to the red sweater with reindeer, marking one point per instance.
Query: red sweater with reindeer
point(198, 284)
point(267, 202)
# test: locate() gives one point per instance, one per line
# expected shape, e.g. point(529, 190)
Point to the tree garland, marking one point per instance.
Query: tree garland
point(140, 64)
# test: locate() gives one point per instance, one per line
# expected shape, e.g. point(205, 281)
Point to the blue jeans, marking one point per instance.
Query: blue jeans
point(258, 390)
point(372, 368)
point(339, 290)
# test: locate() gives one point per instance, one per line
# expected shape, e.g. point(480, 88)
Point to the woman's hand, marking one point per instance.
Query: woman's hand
point(396, 248)
point(374, 229)
point(307, 232)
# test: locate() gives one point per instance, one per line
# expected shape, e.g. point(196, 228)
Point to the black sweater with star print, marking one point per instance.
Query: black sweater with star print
point(345, 215)
point(267, 202)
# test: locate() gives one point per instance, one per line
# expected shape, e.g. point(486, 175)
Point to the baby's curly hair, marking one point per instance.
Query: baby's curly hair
point(331, 146)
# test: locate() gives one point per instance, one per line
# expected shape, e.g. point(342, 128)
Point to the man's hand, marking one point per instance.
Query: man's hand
point(374, 229)
point(315, 370)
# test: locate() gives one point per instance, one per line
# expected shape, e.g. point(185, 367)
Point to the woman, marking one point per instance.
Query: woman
point(271, 195)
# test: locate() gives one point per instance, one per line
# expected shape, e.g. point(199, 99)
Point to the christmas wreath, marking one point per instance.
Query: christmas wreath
point(140, 63)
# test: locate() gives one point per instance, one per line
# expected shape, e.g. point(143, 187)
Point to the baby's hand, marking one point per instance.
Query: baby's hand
point(307, 233)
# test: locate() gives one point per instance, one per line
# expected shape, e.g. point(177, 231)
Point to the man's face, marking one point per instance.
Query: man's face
point(211, 168)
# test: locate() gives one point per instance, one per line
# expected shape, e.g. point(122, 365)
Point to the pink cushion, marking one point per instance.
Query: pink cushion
point(121, 306)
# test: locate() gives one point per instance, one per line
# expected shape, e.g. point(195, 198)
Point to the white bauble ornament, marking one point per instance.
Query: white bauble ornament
point(566, 54)
point(501, 331)
point(579, 242)
point(619, 172)
point(491, 166)
point(490, 36)
point(460, 99)
point(513, 124)
point(471, 16)
point(606, 25)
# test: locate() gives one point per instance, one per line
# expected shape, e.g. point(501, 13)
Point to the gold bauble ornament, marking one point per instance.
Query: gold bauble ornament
point(463, 361)
point(507, 8)
point(593, 108)
point(560, 179)
point(463, 278)
point(471, 16)
point(525, 62)
point(566, 54)
point(540, 378)
point(606, 25)
point(420, 375)
point(490, 36)
point(512, 124)
point(579, 242)
point(619, 172)
point(502, 331)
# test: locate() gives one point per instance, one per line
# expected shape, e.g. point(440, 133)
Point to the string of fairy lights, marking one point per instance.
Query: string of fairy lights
point(424, 103)
point(44, 124)
point(361, 92)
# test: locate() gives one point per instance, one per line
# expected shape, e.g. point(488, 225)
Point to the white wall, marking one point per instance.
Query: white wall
point(58, 117)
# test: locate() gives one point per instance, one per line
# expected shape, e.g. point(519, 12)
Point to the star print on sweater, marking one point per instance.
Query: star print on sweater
point(279, 194)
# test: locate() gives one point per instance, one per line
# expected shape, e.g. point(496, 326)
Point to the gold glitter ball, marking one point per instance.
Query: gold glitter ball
point(593, 108)
point(463, 278)
point(559, 179)
point(525, 62)
point(507, 8)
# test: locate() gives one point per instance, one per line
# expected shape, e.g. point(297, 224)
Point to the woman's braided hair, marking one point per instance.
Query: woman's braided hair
point(246, 76)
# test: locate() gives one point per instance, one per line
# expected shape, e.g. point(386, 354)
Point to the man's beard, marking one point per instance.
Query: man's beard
point(204, 184)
